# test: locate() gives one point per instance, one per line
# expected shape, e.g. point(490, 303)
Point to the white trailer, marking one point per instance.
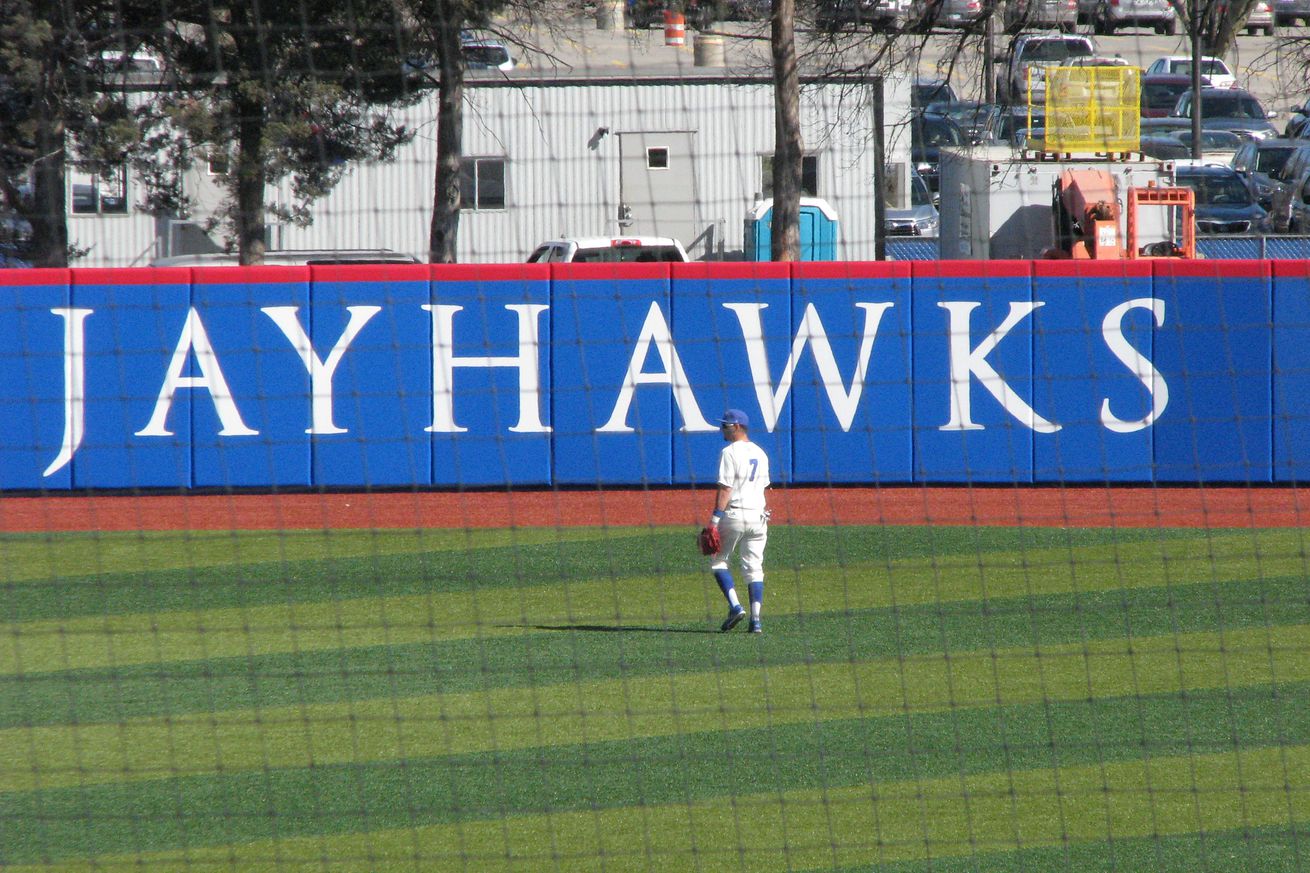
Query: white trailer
point(996, 204)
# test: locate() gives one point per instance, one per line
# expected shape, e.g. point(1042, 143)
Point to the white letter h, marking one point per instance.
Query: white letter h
point(444, 363)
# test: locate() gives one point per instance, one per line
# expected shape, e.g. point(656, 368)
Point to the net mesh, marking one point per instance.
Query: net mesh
point(392, 566)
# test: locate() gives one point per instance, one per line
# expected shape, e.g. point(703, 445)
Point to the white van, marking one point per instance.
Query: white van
point(614, 250)
point(292, 258)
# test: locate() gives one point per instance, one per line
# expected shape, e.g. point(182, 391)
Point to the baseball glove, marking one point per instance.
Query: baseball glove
point(709, 541)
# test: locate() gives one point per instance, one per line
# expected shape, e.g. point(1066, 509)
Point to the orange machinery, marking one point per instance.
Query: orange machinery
point(1087, 218)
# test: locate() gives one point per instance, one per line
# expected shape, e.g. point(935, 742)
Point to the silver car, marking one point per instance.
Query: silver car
point(1111, 15)
point(1260, 19)
point(920, 219)
point(1291, 11)
point(924, 15)
point(1020, 15)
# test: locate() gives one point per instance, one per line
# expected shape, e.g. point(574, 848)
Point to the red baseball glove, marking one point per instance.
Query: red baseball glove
point(709, 541)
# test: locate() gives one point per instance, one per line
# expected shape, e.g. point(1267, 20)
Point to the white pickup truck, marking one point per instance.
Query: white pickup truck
point(604, 249)
point(1024, 74)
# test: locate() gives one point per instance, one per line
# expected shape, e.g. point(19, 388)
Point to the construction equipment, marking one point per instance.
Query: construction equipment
point(1090, 224)
point(1181, 197)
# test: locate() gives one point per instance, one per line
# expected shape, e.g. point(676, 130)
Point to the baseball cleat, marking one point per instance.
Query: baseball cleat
point(755, 628)
point(735, 615)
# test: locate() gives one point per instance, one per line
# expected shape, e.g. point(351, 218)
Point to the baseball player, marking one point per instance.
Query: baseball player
point(741, 517)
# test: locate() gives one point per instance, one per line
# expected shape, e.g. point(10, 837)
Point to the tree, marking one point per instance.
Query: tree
point(788, 153)
point(61, 99)
point(278, 89)
point(439, 33)
point(1213, 25)
point(859, 50)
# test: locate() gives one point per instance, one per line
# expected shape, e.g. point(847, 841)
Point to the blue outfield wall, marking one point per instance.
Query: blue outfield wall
point(529, 375)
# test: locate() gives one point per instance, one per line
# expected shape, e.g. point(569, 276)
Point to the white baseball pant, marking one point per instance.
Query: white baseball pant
point(747, 532)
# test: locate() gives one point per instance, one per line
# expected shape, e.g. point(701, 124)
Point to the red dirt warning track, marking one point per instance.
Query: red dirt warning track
point(1041, 507)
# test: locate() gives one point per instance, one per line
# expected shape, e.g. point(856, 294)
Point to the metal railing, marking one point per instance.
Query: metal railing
point(1219, 247)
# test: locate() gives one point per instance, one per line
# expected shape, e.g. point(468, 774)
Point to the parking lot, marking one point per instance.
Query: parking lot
point(1265, 65)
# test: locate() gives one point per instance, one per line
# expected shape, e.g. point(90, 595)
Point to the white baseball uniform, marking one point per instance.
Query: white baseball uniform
point(744, 467)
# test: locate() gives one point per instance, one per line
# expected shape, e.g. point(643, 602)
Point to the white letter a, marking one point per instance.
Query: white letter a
point(195, 339)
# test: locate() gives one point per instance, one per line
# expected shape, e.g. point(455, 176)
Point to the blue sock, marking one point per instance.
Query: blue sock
point(756, 590)
point(724, 578)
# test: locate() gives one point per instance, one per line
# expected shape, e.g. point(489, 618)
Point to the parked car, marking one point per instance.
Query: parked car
point(1296, 125)
point(1111, 15)
point(1164, 126)
point(924, 15)
point(641, 14)
point(612, 250)
point(1291, 11)
point(930, 131)
point(1008, 121)
point(703, 14)
point(1224, 205)
point(1030, 139)
point(290, 258)
point(974, 118)
point(1296, 218)
point(835, 15)
point(920, 219)
point(1259, 20)
point(1258, 161)
point(1020, 15)
point(1284, 184)
point(1099, 61)
point(478, 54)
point(1164, 147)
point(1217, 146)
point(11, 259)
point(925, 91)
point(1228, 109)
point(1160, 93)
point(1214, 72)
point(486, 54)
point(1027, 58)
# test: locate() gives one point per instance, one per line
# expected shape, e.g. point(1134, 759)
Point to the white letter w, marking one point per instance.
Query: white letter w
point(810, 332)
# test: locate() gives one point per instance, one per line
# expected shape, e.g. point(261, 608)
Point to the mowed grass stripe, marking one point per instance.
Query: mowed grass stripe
point(65, 558)
point(481, 564)
point(88, 559)
point(152, 638)
point(487, 563)
point(629, 709)
point(1243, 850)
point(163, 814)
point(563, 656)
point(832, 827)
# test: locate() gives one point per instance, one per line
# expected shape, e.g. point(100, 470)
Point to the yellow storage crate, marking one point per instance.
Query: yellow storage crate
point(1093, 109)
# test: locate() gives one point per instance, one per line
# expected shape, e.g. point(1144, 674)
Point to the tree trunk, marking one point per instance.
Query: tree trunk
point(48, 213)
point(787, 148)
point(249, 194)
point(444, 234)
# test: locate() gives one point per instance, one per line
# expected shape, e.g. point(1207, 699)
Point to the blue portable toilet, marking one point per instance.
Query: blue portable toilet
point(818, 230)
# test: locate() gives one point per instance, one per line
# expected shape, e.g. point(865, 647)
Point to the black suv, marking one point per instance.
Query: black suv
point(929, 131)
point(702, 14)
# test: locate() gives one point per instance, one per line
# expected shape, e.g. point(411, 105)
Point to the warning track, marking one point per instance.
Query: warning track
point(909, 505)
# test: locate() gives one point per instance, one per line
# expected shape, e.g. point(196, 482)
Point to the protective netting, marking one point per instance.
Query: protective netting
point(381, 567)
point(1068, 638)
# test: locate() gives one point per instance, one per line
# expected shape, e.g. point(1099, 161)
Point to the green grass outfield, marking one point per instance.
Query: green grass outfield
point(947, 699)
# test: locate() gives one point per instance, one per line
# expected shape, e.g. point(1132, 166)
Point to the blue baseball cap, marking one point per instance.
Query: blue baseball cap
point(735, 416)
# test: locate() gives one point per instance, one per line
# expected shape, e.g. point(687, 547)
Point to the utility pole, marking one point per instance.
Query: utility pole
point(1194, 31)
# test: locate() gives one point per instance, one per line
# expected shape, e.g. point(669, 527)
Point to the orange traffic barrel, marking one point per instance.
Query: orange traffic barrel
point(675, 28)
